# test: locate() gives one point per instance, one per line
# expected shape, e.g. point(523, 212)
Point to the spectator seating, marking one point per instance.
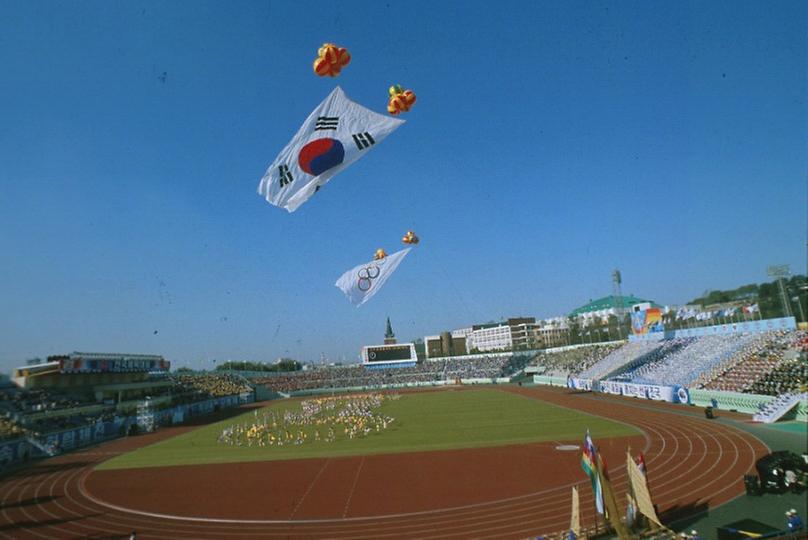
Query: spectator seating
point(768, 366)
point(487, 366)
point(572, 361)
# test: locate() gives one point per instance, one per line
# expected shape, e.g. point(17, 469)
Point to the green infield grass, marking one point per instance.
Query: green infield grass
point(435, 420)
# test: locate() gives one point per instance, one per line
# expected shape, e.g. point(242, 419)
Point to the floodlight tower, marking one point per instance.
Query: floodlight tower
point(781, 271)
point(617, 300)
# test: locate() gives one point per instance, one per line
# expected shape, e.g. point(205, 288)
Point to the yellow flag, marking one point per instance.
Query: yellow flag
point(575, 518)
point(640, 487)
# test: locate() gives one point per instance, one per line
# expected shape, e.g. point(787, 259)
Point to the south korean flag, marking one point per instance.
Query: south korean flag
point(337, 133)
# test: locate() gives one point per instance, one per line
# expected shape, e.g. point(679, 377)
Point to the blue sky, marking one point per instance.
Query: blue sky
point(551, 142)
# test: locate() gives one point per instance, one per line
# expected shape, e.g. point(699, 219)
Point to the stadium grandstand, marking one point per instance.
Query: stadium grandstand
point(769, 365)
point(766, 363)
point(571, 360)
point(83, 390)
point(481, 366)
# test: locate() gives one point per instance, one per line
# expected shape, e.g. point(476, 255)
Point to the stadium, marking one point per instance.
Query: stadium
point(484, 445)
point(210, 209)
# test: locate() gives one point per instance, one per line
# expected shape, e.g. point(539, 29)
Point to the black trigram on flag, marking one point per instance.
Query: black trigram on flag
point(284, 175)
point(363, 140)
point(326, 122)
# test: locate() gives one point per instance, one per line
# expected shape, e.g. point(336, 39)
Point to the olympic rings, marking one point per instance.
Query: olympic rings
point(370, 272)
point(366, 276)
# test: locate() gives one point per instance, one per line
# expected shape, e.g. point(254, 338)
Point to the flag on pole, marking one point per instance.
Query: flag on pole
point(639, 487)
point(589, 465)
point(641, 464)
point(575, 516)
point(631, 510)
point(361, 282)
point(337, 133)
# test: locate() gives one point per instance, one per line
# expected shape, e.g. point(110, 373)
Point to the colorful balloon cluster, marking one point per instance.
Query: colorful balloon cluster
point(410, 238)
point(330, 60)
point(380, 254)
point(400, 100)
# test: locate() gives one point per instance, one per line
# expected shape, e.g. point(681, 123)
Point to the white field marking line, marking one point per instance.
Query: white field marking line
point(713, 466)
point(374, 517)
point(129, 518)
point(11, 488)
point(560, 525)
point(125, 521)
point(377, 518)
point(692, 478)
point(353, 487)
point(39, 507)
point(737, 454)
point(82, 517)
point(311, 485)
point(334, 522)
point(487, 520)
point(697, 478)
point(51, 482)
point(752, 452)
point(89, 522)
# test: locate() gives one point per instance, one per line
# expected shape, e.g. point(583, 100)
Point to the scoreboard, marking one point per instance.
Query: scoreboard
point(400, 353)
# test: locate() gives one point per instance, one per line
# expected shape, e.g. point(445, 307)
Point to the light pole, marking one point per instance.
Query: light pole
point(779, 272)
point(799, 300)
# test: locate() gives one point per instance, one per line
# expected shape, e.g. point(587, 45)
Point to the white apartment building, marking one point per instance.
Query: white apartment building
point(490, 339)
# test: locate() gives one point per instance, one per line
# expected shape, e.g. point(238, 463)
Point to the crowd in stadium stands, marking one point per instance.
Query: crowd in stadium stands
point(750, 362)
point(47, 425)
point(788, 376)
point(209, 385)
point(26, 401)
point(691, 357)
point(631, 352)
point(637, 369)
point(9, 429)
point(489, 366)
point(40, 411)
point(572, 361)
point(755, 362)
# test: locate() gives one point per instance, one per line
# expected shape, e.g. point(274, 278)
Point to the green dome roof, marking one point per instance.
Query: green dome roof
point(608, 302)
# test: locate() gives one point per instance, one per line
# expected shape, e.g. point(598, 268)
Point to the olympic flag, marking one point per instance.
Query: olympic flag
point(361, 282)
point(337, 133)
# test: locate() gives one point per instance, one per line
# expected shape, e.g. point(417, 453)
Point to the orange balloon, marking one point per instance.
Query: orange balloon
point(410, 238)
point(400, 100)
point(330, 60)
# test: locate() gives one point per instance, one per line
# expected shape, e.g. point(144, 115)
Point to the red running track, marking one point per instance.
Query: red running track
point(693, 464)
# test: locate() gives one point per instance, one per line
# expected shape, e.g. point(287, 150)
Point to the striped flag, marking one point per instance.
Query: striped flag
point(337, 133)
point(641, 464)
point(589, 465)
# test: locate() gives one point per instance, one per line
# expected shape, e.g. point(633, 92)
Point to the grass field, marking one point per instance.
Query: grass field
point(423, 421)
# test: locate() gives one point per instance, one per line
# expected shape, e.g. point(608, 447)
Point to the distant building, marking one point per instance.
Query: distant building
point(445, 344)
point(599, 310)
point(553, 333)
point(515, 333)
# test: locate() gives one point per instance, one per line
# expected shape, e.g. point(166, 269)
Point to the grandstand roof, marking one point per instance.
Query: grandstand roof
point(607, 302)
